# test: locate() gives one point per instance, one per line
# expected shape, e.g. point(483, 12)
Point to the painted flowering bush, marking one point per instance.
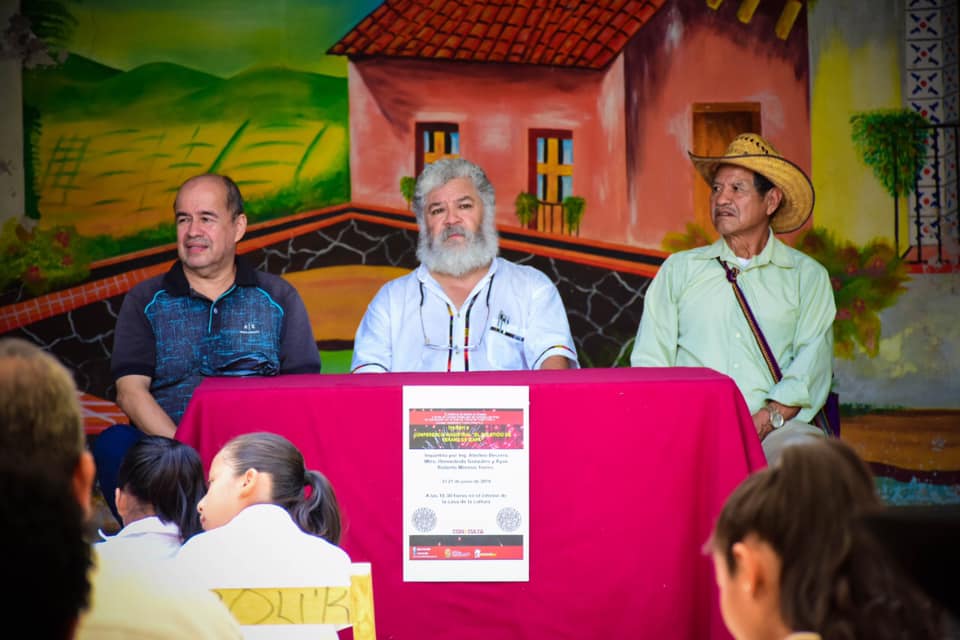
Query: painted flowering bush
point(42, 260)
point(865, 281)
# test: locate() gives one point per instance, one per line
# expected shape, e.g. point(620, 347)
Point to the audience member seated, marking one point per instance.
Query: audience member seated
point(422, 321)
point(47, 560)
point(793, 558)
point(268, 521)
point(41, 426)
point(160, 483)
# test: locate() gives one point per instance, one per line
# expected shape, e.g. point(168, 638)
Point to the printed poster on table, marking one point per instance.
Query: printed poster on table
point(466, 484)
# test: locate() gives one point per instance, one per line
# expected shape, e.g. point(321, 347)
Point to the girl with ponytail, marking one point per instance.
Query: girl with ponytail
point(268, 521)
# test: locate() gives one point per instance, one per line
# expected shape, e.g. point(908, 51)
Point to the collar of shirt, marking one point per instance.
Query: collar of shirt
point(265, 513)
point(175, 281)
point(148, 525)
point(774, 252)
point(424, 277)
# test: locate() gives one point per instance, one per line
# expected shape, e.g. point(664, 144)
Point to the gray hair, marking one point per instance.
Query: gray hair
point(443, 171)
point(40, 417)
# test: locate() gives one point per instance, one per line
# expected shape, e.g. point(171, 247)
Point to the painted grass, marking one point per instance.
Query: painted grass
point(234, 139)
point(120, 182)
point(335, 361)
point(309, 151)
point(101, 247)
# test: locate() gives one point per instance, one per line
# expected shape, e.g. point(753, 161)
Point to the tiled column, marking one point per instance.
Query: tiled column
point(931, 89)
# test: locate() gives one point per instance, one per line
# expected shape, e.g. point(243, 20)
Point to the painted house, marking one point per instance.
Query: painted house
point(598, 100)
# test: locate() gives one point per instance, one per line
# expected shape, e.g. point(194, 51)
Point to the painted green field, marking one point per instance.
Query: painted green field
point(117, 181)
point(112, 147)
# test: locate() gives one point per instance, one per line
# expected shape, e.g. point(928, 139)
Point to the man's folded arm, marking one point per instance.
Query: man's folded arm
point(134, 397)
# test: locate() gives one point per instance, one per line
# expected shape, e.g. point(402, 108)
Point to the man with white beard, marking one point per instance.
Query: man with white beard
point(463, 308)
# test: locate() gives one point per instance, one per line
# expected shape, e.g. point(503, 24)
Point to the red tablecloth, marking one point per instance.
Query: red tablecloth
point(629, 469)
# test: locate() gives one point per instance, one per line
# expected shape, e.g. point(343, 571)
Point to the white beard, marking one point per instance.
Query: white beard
point(478, 250)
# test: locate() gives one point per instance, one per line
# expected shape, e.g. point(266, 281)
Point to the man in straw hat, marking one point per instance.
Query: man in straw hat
point(691, 316)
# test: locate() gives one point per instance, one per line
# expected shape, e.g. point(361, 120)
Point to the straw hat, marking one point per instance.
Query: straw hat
point(750, 151)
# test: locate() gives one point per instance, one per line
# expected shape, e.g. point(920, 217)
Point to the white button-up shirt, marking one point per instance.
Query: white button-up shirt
point(512, 319)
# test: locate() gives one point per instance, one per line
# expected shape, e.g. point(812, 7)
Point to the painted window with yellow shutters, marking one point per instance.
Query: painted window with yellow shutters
point(551, 175)
point(436, 140)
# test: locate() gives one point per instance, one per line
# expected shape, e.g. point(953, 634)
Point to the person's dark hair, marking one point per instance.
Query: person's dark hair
point(834, 578)
point(316, 513)
point(761, 184)
point(168, 475)
point(234, 198)
point(47, 560)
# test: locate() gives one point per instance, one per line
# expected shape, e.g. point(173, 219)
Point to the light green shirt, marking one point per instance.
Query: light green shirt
point(691, 319)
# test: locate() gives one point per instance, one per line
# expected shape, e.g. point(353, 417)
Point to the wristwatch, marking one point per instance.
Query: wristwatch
point(776, 418)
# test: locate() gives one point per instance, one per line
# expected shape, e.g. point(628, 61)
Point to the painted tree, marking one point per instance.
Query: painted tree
point(408, 185)
point(892, 143)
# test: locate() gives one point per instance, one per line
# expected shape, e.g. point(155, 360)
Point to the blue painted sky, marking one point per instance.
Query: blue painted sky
point(223, 37)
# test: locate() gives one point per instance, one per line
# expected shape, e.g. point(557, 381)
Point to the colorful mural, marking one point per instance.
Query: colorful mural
point(600, 101)
point(582, 113)
point(125, 119)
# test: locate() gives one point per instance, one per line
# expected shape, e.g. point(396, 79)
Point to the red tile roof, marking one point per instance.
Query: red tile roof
point(567, 33)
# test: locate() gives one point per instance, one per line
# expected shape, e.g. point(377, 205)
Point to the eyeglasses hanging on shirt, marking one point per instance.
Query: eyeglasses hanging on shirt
point(449, 345)
point(504, 319)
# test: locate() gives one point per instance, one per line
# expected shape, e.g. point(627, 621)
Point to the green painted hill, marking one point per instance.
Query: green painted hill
point(165, 93)
point(269, 94)
point(154, 84)
point(48, 87)
point(85, 70)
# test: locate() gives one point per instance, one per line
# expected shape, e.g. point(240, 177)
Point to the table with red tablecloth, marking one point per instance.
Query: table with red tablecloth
point(628, 470)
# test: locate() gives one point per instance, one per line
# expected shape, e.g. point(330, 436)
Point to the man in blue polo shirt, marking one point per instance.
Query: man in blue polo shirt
point(211, 314)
